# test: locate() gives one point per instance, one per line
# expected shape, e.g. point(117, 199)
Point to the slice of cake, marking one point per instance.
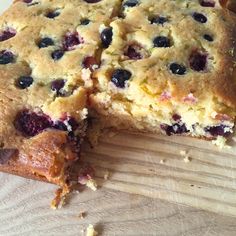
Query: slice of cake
point(48, 50)
point(169, 67)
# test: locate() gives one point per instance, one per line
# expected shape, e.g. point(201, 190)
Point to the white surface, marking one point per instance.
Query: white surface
point(4, 5)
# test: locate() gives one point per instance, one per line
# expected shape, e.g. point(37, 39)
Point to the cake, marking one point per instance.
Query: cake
point(151, 66)
point(170, 68)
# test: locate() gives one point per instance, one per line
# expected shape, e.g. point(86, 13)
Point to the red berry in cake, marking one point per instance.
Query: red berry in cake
point(7, 34)
point(71, 41)
point(198, 61)
point(161, 42)
point(24, 82)
point(30, 123)
point(133, 52)
point(6, 57)
point(119, 77)
point(207, 3)
point(199, 17)
point(106, 37)
point(90, 63)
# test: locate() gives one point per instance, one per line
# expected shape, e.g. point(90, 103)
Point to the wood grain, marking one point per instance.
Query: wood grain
point(24, 211)
point(152, 166)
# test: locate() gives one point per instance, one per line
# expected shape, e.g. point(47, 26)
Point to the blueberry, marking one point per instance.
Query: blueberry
point(177, 69)
point(131, 3)
point(92, 1)
point(106, 37)
point(220, 130)
point(158, 20)
point(57, 54)
point(24, 82)
point(174, 129)
point(161, 42)
point(6, 57)
point(207, 3)
point(119, 77)
point(45, 42)
point(57, 85)
point(199, 17)
point(208, 37)
point(31, 123)
point(7, 34)
point(52, 14)
point(85, 22)
point(60, 126)
point(198, 61)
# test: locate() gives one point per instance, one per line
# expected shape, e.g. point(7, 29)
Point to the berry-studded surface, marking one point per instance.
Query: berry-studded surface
point(167, 58)
point(161, 66)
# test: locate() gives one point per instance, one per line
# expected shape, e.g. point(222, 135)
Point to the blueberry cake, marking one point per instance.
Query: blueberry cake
point(147, 65)
point(48, 50)
point(169, 67)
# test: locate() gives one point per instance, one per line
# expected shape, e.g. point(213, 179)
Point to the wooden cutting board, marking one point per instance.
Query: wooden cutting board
point(151, 165)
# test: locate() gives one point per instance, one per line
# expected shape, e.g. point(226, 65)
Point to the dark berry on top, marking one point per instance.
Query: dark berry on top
point(119, 77)
point(52, 14)
point(198, 61)
point(92, 1)
point(161, 42)
point(199, 17)
point(131, 3)
point(71, 41)
point(24, 82)
point(6, 57)
point(27, 1)
point(30, 123)
point(207, 3)
point(60, 125)
point(106, 37)
point(208, 37)
point(85, 21)
point(220, 130)
point(90, 63)
point(57, 86)
point(133, 52)
point(7, 34)
point(158, 20)
point(176, 117)
point(57, 54)
point(177, 69)
point(45, 42)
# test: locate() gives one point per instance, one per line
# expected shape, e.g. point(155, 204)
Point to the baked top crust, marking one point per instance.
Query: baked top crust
point(170, 57)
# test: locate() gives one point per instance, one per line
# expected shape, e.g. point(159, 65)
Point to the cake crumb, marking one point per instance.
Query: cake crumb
point(186, 156)
point(187, 159)
point(91, 183)
point(221, 142)
point(106, 175)
point(183, 152)
point(162, 161)
point(81, 215)
point(91, 231)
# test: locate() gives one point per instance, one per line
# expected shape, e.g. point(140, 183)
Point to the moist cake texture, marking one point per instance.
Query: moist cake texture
point(170, 68)
point(159, 66)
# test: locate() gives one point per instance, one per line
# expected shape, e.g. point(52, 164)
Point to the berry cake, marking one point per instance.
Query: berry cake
point(48, 50)
point(169, 67)
point(160, 66)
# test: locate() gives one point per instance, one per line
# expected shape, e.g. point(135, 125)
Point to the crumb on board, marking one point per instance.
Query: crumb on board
point(106, 175)
point(186, 156)
point(60, 197)
point(162, 161)
point(91, 183)
point(82, 215)
point(187, 159)
point(91, 231)
point(183, 152)
point(220, 142)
